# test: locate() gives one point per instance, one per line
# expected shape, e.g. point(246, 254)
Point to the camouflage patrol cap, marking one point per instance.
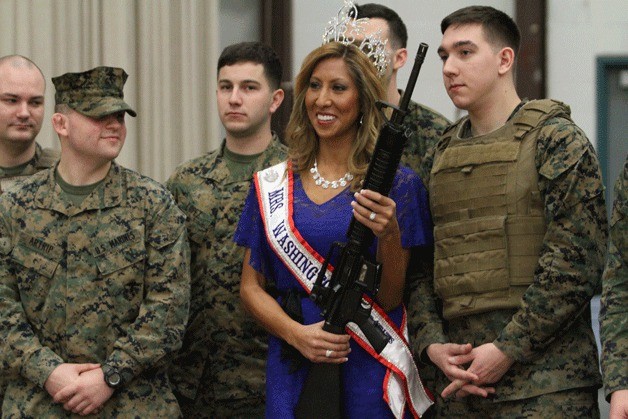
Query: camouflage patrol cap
point(94, 93)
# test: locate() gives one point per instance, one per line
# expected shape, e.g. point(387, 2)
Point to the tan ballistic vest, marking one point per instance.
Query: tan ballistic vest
point(488, 213)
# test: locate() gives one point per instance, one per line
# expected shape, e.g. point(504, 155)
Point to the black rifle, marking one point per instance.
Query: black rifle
point(342, 299)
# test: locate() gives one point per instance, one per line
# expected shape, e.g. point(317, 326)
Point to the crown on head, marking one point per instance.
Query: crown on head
point(347, 29)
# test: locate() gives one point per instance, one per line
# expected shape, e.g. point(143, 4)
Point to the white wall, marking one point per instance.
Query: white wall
point(577, 32)
point(239, 21)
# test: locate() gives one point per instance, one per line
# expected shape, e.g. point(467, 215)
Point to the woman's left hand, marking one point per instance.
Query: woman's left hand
point(377, 212)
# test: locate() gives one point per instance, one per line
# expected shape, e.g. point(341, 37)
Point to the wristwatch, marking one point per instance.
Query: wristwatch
point(113, 378)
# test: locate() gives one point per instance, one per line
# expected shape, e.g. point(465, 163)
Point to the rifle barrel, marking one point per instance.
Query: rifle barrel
point(414, 75)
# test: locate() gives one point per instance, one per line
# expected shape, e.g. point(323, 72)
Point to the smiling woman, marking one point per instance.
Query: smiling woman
point(332, 102)
point(335, 94)
point(293, 215)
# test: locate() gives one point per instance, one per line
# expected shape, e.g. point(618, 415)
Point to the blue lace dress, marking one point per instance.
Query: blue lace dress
point(321, 225)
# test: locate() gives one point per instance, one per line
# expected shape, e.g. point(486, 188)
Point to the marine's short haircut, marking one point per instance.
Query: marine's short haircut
point(499, 28)
point(397, 29)
point(254, 52)
point(20, 61)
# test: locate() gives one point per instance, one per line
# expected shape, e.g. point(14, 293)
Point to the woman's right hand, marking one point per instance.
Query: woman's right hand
point(317, 345)
point(312, 341)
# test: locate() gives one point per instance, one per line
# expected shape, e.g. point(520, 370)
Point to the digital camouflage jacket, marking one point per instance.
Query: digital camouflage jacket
point(224, 353)
point(614, 310)
point(549, 336)
point(426, 126)
point(106, 282)
point(43, 159)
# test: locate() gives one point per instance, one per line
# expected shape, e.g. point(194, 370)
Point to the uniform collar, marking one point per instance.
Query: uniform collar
point(108, 194)
point(216, 168)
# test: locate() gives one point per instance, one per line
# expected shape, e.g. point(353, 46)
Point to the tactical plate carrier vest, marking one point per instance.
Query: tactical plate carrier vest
point(488, 213)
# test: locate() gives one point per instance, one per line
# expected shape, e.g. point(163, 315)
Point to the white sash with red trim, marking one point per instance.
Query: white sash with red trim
point(402, 384)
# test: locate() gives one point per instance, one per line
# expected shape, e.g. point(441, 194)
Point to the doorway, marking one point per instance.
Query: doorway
point(612, 124)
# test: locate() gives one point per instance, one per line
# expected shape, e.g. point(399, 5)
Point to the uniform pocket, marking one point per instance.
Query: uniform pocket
point(37, 255)
point(35, 263)
point(120, 252)
point(471, 256)
point(120, 262)
point(199, 225)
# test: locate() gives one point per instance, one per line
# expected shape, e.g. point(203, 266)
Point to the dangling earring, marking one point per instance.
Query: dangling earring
point(361, 120)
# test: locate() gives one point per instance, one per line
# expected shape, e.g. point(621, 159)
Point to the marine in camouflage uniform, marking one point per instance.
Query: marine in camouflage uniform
point(102, 281)
point(22, 87)
point(106, 282)
point(520, 232)
point(614, 303)
point(549, 336)
point(220, 370)
point(426, 126)
point(223, 357)
point(43, 159)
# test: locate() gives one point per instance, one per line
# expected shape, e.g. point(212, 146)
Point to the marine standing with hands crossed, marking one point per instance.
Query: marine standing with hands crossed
point(520, 236)
point(94, 270)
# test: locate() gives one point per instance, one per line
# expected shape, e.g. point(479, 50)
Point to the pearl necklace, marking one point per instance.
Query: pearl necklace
point(323, 183)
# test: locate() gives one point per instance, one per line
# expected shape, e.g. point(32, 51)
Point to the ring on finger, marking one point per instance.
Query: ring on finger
point(372, 216)
point(328, 353)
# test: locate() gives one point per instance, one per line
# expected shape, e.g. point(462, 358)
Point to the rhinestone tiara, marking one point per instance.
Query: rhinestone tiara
point(346, 29)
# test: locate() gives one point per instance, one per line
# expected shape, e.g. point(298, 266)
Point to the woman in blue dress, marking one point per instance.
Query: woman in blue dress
point(294, 213)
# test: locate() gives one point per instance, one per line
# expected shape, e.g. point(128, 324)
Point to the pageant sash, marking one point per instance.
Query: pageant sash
point(402, 384)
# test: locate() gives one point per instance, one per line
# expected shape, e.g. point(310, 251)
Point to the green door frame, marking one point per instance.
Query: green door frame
point(603, 64)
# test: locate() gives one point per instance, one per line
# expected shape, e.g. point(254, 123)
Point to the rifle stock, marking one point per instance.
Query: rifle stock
point(342, 300)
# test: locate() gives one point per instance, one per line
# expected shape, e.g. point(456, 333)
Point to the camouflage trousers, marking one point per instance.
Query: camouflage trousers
point(573, 404)
point(4, 380)
point(236, 409)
